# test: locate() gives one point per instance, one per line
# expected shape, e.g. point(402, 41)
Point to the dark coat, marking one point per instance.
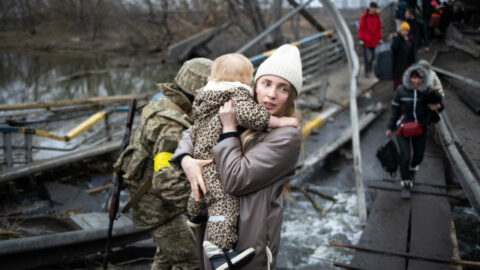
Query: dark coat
point(418, 32)
point(402, 53)
point(401, 8)
point(403, 102)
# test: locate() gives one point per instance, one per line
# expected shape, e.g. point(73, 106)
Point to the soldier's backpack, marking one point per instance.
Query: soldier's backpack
point(383, 62)
point(388, 156)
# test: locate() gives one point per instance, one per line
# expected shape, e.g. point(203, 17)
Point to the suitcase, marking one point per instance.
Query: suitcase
point(383, 62)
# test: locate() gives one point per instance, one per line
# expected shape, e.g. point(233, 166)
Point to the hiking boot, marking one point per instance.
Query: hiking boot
point(232, 259)
point(414, 168)
point(196, 221)
point(406, 189)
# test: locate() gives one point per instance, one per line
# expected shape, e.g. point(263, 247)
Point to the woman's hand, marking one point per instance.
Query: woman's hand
point(193, 170)
point(388, 133)
point(434, 106)
point(228, 116)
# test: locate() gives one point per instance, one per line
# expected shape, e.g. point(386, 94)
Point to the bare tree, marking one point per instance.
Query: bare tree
point(164, 21)
point(95, 22)
point(6, 9)
point(27, 16)
point(277, 15)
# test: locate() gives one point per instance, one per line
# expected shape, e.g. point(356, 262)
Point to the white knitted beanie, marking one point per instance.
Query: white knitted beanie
point(286, 63)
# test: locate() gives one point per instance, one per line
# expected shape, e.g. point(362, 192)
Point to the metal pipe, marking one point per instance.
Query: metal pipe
point(308, 17)
point(28, 147)
point(107, 127)
point(92, 120)
point(7, 148)
point(272, 27)
point(472, 104)
point(54, 248)
point(457, 77)
point(43, 165)
point(468, 181)
point(349, 46)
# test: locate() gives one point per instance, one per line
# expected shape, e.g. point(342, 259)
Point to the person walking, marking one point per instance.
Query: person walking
point(369, 34)
point(253, 165)
point(402, 52)
point(418, 32)
point(414, 108)
point(159, 129)
point(402, 6)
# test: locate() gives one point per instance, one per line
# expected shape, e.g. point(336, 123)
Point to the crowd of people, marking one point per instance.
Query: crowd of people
point(211, 148)
point(418, 92)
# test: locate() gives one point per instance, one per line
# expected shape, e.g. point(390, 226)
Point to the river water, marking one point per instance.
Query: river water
point(41, 78)
point(48, 78)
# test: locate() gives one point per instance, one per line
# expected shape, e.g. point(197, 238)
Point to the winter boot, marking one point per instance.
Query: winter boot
point(227, 259)
point(415, 169)
point(406, 189)
point(196, 221)
point(232, 259)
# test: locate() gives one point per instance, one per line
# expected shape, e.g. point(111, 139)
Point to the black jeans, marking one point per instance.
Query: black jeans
point(409, 158)
point(369, 55)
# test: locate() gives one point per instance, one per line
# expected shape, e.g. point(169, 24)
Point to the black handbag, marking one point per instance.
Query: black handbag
point(388, 156)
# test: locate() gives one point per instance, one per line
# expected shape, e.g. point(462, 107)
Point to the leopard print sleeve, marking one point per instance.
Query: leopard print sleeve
point(250, 115)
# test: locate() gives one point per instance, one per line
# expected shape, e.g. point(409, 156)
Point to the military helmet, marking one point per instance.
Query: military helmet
point(193, 74)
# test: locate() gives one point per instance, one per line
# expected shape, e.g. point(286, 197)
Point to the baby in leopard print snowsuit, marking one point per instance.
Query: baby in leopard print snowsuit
point(229, 79)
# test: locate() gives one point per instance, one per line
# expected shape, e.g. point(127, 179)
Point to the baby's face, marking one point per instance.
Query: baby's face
point(272, 93)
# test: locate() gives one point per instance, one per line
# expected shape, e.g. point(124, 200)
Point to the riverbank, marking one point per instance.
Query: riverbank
point(134, 34)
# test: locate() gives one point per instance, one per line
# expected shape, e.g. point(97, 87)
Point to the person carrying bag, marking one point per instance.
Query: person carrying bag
point(411, 129)
point(414, 108)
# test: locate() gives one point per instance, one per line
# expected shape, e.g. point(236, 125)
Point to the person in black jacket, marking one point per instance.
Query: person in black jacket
point(402, 53)
point(418, 32)
point(413, 102)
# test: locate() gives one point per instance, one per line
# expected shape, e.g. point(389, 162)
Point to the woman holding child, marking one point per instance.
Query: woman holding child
point(255, 166)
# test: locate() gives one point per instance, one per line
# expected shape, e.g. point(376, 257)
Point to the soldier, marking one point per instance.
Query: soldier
point(161, 206)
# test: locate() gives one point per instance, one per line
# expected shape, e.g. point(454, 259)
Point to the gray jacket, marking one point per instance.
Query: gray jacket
point(257, 176)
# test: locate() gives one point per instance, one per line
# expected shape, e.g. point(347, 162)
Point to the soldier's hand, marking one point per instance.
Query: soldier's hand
point(228, 116)
point(193, 171)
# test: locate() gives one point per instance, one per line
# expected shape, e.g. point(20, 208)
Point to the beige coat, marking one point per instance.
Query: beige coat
point(257, 177)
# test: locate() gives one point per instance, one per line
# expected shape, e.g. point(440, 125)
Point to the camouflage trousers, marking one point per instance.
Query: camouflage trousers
point(176, 249)
point(222, 208)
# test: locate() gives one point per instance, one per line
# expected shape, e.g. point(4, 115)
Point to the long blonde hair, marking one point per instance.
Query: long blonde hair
point(289, 110)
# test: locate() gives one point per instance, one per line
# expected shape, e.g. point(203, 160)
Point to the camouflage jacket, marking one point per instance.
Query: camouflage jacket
point(155, 139)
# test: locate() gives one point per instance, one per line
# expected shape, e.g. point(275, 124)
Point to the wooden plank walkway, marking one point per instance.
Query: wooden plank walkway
point(422, 226)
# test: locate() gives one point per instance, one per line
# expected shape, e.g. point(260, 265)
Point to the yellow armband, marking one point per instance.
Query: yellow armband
point(161, 161)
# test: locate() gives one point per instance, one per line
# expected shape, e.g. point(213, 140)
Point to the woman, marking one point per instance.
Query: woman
point(412, 102)
point(256, 166)
point(402, 53)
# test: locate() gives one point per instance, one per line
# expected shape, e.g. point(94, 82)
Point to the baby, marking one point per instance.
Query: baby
point(229, 79)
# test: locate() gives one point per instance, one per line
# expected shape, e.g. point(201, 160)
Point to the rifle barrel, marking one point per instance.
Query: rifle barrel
point(118, 181)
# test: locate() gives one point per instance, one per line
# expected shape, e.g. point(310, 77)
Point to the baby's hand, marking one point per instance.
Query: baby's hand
point(276, 122)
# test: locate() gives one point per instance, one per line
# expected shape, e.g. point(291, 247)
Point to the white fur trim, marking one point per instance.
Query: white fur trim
point(220, 86)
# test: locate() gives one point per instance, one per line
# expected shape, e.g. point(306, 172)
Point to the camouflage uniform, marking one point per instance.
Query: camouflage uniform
point(160, 209)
